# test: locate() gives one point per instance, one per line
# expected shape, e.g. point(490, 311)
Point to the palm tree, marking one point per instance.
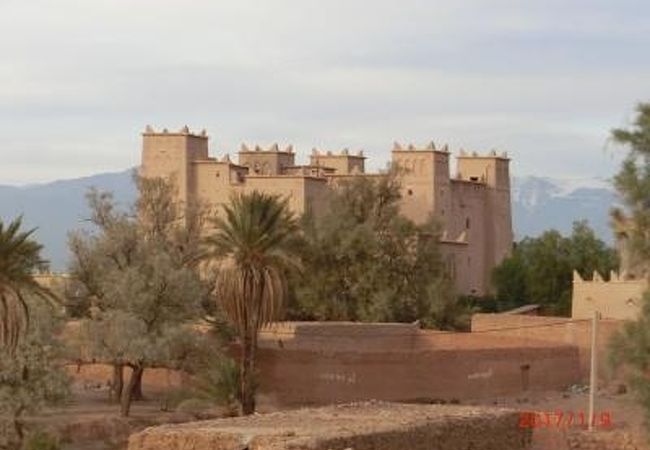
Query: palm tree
point(254, 245)
point(19, 258)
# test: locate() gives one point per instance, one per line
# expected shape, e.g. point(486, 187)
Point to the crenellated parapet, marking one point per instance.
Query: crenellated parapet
point(429, 147)
point(617, 298)
point(343, 162)
point(344, 153)
point(184, 131)
point(492, 154)
point(266, 161)
point(274, 148)
point(597, 277)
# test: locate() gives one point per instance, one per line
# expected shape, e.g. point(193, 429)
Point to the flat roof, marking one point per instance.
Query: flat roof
point(175, 134)
point(287, 176)
point(320, 155)
point(505, 158)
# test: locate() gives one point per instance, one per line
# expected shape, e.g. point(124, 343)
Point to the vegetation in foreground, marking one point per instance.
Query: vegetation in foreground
point(631, 347)
point(140, 298)
point(31, 375)
point(254, 246)
point(364, 261)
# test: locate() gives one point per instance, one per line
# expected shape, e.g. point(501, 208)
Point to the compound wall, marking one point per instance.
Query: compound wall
point(324, 363)
point(531, 330)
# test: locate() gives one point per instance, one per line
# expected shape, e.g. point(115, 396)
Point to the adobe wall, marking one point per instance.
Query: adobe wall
point(531, 330)
point(615, 299)
point(343, 164)
point(270, 162)
point(320, 364)
point(288, 187)
point(338, 336)
point(98, 376)
point(170, 154)
point(454, 254)
point(469, 215)
point(364, 426)
point(417, 183)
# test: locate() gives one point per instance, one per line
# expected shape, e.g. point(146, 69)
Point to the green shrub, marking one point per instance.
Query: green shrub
point(42, 441)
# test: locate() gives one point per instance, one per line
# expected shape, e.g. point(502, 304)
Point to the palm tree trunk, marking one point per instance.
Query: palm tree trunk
point(127, 395)
point(247, 370)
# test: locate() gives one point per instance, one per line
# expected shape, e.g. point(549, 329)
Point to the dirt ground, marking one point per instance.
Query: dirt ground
point(626, 415)
point(90, 422)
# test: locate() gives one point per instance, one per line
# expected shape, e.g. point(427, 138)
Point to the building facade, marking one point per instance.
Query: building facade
point(473, 206)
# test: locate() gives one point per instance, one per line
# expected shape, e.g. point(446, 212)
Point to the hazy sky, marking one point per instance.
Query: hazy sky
point(544, 80)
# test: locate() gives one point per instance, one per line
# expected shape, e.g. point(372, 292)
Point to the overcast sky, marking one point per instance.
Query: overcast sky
point(543, 80)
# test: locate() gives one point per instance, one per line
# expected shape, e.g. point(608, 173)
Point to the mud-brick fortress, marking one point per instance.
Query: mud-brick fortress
point(473, 206)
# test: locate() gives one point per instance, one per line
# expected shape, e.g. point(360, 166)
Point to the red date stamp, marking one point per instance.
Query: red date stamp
point(563, 419)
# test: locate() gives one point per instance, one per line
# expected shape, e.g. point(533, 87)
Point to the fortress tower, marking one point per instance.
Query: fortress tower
point(425, 181)
point(492, 170)
point(171, 154)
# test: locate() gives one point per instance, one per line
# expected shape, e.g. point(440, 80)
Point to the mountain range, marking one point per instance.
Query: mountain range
point(538, 204)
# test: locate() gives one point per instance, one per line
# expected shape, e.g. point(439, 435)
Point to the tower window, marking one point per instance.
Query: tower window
point(467, 223)
point(409, 192)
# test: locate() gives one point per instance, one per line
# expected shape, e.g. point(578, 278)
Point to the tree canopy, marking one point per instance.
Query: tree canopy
point(140, 296)
point(364, 261)
point(540, 270)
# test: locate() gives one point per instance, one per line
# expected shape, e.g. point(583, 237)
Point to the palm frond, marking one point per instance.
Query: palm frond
point(19, 259)
point(252, 241)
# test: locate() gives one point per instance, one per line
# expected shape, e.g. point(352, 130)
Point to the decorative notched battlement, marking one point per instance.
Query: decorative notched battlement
point(343, 163)
point(614, 277)
point(619, 298)
point(343, 153)
point(430, 147)
point(185, 131)
point(274, 148)
point(491, 155)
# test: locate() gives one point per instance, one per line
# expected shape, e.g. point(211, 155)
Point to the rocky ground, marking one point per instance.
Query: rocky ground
point(360, 426)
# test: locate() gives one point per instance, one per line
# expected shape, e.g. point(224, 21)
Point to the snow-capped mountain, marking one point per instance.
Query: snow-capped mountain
point(537, 205)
